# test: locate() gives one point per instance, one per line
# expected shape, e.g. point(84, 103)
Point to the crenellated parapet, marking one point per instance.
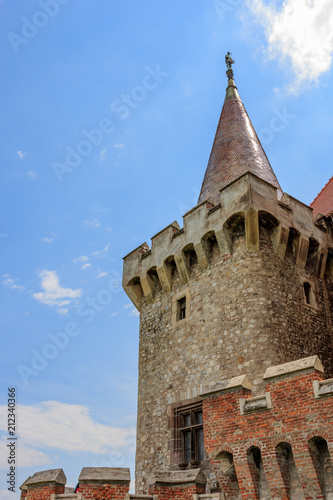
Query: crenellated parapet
point(275, 445)
point(95, 483)
point(247, 202)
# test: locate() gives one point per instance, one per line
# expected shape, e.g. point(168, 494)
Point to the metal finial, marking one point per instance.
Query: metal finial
point(229, 62)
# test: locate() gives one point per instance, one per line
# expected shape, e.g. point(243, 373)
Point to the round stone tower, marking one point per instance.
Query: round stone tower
point(246, 283)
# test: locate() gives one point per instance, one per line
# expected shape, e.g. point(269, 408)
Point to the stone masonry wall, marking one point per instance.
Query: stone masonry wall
point(246, 312)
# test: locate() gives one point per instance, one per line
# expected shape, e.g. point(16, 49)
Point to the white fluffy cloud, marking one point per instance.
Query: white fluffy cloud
point(53, 293)
point(11, 283)
point(300, 34)
point(52, 425)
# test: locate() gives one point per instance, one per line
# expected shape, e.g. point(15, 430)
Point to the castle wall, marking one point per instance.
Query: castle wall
point(289, 431)
point(247, 312)
point(252, 271)
point(44, 492)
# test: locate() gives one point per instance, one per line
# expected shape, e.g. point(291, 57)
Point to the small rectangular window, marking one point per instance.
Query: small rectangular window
point(181, 309)
point(309, 294)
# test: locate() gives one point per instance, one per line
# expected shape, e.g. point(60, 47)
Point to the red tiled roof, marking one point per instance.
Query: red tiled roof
point(236, 150)
point(323, 203)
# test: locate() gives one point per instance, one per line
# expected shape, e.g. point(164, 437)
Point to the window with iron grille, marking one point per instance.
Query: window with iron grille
point(190, 433)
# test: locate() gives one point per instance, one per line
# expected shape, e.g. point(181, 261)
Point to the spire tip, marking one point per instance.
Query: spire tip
point(229, 62)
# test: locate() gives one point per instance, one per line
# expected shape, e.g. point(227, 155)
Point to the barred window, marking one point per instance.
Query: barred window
point(190, 432)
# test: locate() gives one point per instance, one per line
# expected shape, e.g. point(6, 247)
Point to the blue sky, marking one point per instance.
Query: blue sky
point(127, 95)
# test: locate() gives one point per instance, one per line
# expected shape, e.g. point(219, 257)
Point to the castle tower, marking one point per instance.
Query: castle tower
point(245, 284)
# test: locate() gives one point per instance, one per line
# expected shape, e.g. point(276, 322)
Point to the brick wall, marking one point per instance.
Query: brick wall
point(99, 491)
point(282, 435)
point(176, 492)
point(44, 491)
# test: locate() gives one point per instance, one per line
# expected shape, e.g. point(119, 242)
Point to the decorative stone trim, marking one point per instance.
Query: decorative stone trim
point(212, 210)
point(209, 496)
point(322, 388)
point(53, 476)
point(248, 195)
point(258, 403)
point(241, 382)
point(178, 477)
point(144, 255)
point(284, 206)
point(170, 229)
point(181, 230)
point(313, 362)
point(141, 249)
point(141, 497)
point(105, 474)
point(24, 486)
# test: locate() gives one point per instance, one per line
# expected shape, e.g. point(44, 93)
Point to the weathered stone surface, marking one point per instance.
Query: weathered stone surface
point(255, 404)
point(235, 383)
point(47, 476)
point(294, 366)
point(116, 474)
point(24, 486)
point(178, 477)
point(323, 388)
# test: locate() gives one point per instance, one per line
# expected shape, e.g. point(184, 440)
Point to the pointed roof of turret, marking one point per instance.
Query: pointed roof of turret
point(236, 148)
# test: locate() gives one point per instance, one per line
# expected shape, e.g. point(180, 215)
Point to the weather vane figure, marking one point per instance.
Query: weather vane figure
point(229, 62)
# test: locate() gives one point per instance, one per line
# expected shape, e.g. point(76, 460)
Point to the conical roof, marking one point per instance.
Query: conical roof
point(236, 149)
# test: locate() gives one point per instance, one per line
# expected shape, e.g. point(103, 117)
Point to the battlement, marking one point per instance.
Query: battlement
point(249, 201)
point(276, 445)
point(279, 442)
point(94, 483)
point(111, 483)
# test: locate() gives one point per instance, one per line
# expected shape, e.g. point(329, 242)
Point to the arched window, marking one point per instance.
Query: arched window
point(257, 472)
point(292, 482)
point(228, 474)
point(309, 294)
point(292, 244)
point(323, 465)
